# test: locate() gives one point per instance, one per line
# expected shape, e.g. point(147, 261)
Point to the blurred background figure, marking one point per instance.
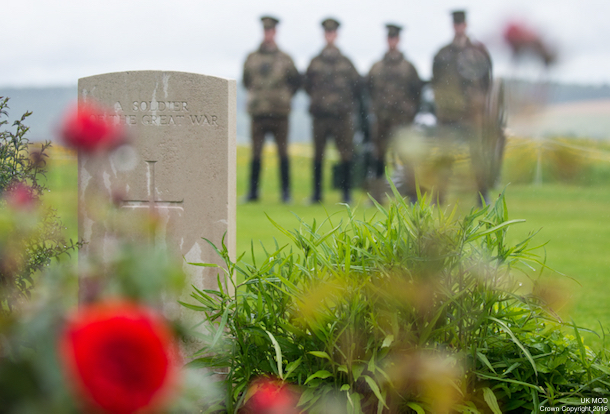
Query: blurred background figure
point(395, 89)
point(271, 80)
point(333, 85)
point(524, 40)
point(461, 81)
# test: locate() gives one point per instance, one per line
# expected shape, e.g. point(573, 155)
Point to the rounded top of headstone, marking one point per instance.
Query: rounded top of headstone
point(330, 24)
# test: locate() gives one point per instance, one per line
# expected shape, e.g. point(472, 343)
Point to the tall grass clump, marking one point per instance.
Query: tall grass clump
point(412, 310)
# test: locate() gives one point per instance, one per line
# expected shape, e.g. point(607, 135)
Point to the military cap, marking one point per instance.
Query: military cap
point(393, 30)
point(459, 16)
point(330, 25)
point(269, 22)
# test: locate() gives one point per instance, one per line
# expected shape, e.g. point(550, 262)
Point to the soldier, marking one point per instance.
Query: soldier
point(395, 89)
point(461, 80)
point(332, 83)
point(271, 80)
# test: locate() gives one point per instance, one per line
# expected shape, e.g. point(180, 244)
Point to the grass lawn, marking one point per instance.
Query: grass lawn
point(574, 220)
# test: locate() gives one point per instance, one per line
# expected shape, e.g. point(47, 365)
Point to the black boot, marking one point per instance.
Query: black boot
point(285, 179)
point(347, 182)
point(255, 170)
point(317, 182)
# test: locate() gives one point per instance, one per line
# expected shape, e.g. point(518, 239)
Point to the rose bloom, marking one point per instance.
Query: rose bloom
point(120, 358)
point(20, 197)
point(88, 129)
point(271, 397)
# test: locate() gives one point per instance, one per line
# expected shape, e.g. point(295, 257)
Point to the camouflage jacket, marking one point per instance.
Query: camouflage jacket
point(395, 87)
point(271, 80)
point(461, 79)
point(332, 82)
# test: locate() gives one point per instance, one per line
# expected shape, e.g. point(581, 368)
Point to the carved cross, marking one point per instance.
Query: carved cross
point(152, 201)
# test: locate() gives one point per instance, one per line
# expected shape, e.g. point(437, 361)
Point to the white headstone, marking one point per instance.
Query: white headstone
point(180, 163)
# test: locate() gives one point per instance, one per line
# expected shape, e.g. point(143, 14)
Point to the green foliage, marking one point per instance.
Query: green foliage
point(414, 309)
point(28, 242)
point(571, 161)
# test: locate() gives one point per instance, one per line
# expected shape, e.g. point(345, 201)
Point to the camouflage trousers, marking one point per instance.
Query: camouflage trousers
point(277, 126)
point(337, 127)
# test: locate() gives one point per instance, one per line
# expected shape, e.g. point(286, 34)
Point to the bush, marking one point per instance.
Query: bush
point(412, 310)
point(28, 240)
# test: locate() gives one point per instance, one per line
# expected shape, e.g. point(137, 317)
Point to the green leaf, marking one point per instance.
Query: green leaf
point(494, 229)
point(484, 360)
point(387, 341)
point(320, 354)
point(526, 384)
point(322, 374)
point(221, 327)
point(516, 341)
point(193, 307)
point(307, 396)
point(203, 264)
point(292, 366)
point(491, 400)
point(278, 354)
point(416, 407)
point(345, 387)
point(371, 382)
point(357, 371)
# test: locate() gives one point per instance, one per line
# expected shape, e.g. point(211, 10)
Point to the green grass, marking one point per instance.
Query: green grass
point(574, 220)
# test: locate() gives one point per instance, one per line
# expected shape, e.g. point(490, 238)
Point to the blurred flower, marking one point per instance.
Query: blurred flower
point(522, 38)
point(268, 396)
point(88, 129)
point(120, 357)
point(20, 197)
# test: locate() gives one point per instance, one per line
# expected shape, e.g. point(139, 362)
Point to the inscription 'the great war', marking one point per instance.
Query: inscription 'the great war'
point(160, 113)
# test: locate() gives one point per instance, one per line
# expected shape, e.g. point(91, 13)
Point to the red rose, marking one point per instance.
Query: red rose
point(119, 357)
point(271, 397)
point(20, 197)
point(90, 130)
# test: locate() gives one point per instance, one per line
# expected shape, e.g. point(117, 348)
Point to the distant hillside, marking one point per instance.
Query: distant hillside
point(49, 104)
point(557, 93)
point(46, 104)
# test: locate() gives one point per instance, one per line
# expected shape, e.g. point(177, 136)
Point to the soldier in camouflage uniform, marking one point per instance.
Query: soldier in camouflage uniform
point(461, 80)
point(332, 83)
point(395, 89)
point(271, 80)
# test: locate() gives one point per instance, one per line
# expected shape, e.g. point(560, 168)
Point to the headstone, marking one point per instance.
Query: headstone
point(180, 164)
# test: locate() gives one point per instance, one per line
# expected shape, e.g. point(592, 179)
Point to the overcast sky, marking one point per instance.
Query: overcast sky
point(53, 43)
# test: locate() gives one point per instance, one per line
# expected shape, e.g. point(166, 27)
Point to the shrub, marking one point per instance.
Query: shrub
point(28, 241)
point(412, 310)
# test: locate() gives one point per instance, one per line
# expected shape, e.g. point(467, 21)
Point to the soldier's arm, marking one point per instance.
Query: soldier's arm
point(440, 64)
point(357, 80)
point(415, 85)
point(308, 79)
point(489, 75)
point(246, 76)
point(437, 68)
point(369, 83)
point(293, 77)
